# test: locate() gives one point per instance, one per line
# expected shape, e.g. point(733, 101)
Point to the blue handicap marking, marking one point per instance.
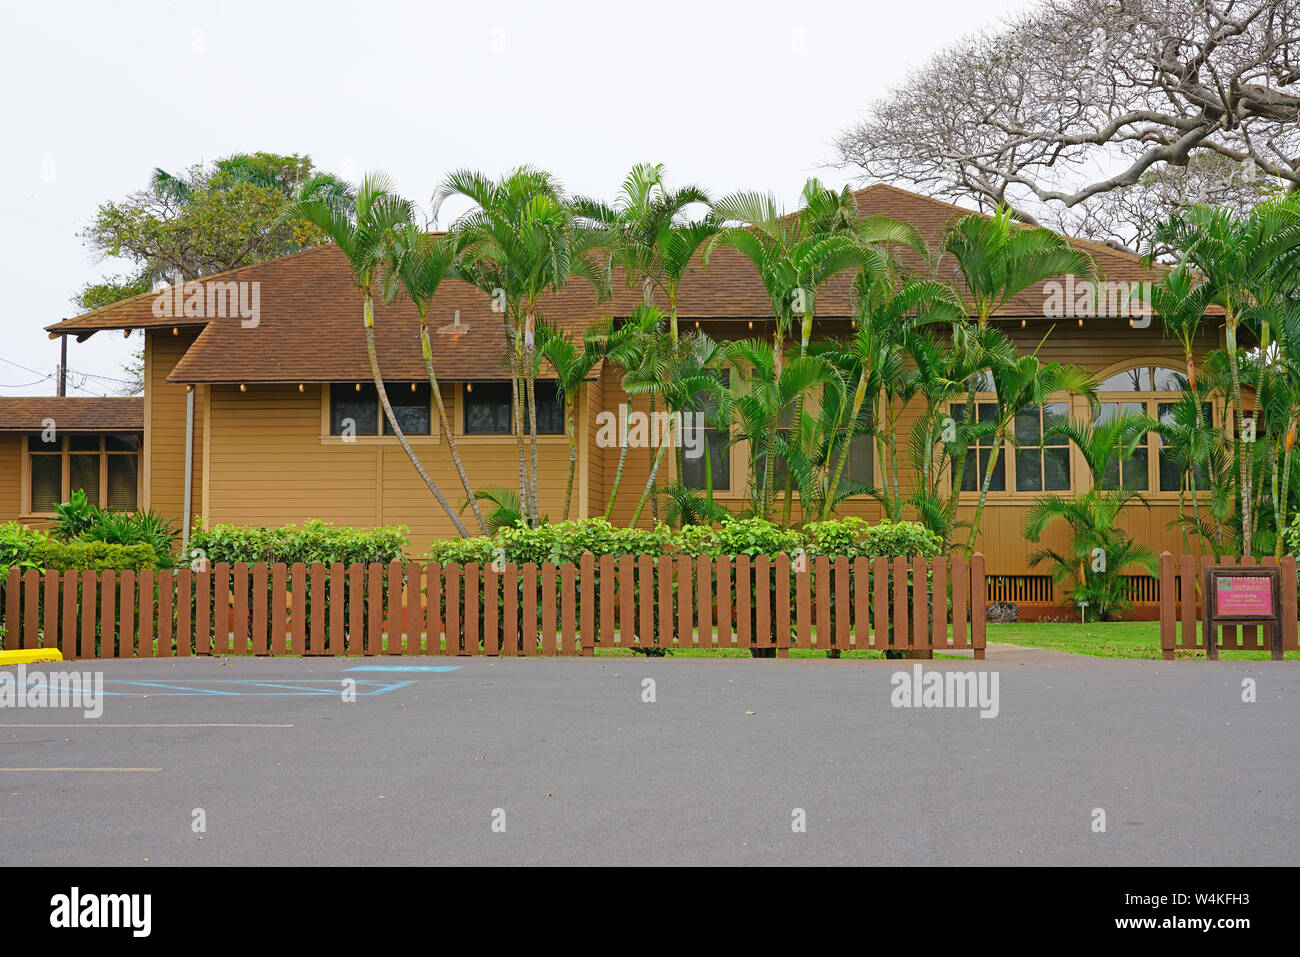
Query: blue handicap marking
point(404, 668)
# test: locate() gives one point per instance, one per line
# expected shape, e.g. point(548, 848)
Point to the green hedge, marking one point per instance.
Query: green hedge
point(89, 556)
point(314, 541)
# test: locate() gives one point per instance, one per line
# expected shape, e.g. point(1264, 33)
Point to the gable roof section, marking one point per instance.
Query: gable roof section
point(71, 413)
point(310, 329)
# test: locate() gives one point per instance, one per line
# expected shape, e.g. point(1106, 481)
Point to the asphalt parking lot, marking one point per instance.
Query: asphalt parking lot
point(561, 761)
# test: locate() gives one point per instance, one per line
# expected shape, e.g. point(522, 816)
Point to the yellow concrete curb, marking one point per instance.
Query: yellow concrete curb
point(29, 656)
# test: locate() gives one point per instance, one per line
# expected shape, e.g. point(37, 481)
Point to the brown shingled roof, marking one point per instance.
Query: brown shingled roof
point(71, 413)
point(310, 325)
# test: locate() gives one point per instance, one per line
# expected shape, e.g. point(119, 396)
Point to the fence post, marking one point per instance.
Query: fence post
point(979, 597)
point(1168, 614)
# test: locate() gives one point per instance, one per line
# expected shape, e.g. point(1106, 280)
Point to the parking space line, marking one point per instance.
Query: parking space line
point(97, 724)
point(81, 769)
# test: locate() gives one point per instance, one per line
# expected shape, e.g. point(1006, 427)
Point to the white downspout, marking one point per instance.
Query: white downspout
point(189, 470)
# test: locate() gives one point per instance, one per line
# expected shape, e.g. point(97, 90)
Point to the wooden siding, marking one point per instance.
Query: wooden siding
point(163, 468)
point(11, 465)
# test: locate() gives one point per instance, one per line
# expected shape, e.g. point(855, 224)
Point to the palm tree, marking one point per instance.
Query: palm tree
point(521, 240)
point(999, 258)
point(1017, 383)
point(1246, 261)
point(572, 366)
point(794, 257)
point(366, 240)
point(418, 263)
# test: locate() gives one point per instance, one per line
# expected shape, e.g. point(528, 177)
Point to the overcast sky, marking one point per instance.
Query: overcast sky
point(730, 96)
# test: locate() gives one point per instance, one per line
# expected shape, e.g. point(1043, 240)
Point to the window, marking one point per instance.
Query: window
point(105, 467)
point(1042, 460)
point(356, 410)
point(859, 468)
point(488, 408)
point(1145, 390)
point(977, 456)
point(715, 444)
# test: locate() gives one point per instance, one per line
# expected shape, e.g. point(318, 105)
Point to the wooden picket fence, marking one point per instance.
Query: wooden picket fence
point(1182, 604)
point(638, 602)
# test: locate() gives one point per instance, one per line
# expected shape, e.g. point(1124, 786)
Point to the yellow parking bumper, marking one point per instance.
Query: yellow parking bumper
point(29, 656)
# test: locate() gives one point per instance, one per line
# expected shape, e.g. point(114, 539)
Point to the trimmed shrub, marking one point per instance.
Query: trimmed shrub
point(314, 541)
point(91, 556)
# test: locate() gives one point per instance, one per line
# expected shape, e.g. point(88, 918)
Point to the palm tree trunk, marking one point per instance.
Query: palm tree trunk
point(517, 425)
point(446, 425)
point(1288, 442)
point(369, 314)
point(649, 485)
point(859, 396)
point(1243, 473)
point(530, 379)
point(618, 478)
point(959, 473)
point(570, 427)
point(984, 493)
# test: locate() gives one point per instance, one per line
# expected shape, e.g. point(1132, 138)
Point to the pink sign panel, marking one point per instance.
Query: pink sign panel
point(1244, 595)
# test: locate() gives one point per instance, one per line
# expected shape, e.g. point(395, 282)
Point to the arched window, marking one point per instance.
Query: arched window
point(1153, 391)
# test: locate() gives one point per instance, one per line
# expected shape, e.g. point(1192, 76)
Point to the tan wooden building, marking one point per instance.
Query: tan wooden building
point(249, 406)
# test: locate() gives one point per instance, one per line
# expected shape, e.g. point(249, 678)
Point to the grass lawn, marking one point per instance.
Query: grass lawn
point(1108, 639)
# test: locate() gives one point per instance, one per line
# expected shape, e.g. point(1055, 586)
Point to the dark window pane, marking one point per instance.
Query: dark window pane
point(999, 482)
point(1110, 476)
point(1170, 472)
point(859, 466)
point(1135, 470)
point(1054, 414)
point(361, 407)
point(122, 443)
point(1056, 469)
point(122, 480)
point(36, 442)
point(1028, 430)
point(694, 458)
point(47, 482)
point(487, 408)
point(83, 443)
point(1029, 470)
point(410, 408)
point(83, 471)
point(550, 409)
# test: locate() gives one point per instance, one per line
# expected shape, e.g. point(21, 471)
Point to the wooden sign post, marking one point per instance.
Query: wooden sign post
point(1237, 595)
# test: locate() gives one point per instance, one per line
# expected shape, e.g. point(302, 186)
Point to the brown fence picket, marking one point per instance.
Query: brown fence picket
point(470, 646)
point(279, 614)
point(413, 573)
point(939, 602)
point(32, 607)
point(587, 603)
point(184, 620)
point(107, 614)
point(568, 601)
point(337, 589)
point(13, 635)
point(433, 613)
point(203, 612)
point(645, 580)
point(685, 603)
point(744, 638)
point(375, 616)
point(1168, 597)
point(803, 606)
point(781, 602)
point(221, 606)
point(126, 611)
point(762, 602)
point(451, 619)
point(723, 591)
point(491, 613)
point(665, 602)
point(166, 597)
point(978, 641)
point(704, 601)
point(961, 596)
point(1290, 632)
point(314, 598)
point(861, 603)
point(902, 636)
point(822, 588)
point(237, 644)
point(356, 641)
point(627, 599)
point(548, 608)
point(528, 620)
point(148, 609)
point(920, 605)
point(510, 614)
point(843, 606)
point(393, 612)
point(254, 629)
